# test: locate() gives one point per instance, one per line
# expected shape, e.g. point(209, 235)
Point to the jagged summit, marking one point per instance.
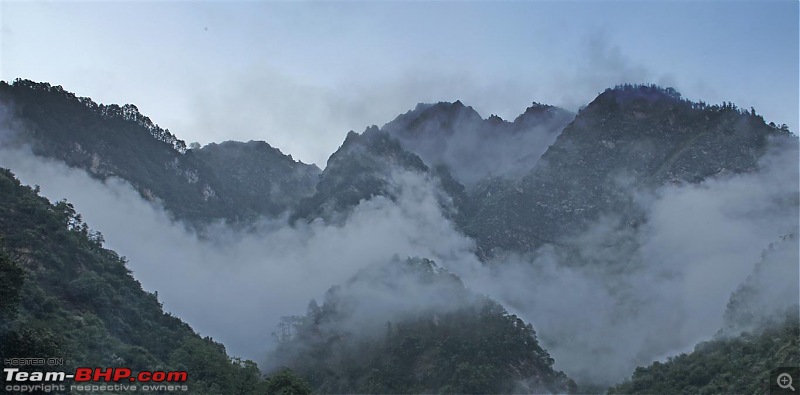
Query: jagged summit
point(628, 138)
point(651, 97)
point(537, 108)
point(538, 114)
point(373, 141)
point(643, 98)
point(645, 132)
point(496, 119)
point(361, 169)
point(646, 92)
point(450, 117)
point(473, 148)
point(511, 186)
point(257, 147)
point(442, 117)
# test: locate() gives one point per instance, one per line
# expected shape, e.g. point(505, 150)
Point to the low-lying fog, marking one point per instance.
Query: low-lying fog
point(648, 292)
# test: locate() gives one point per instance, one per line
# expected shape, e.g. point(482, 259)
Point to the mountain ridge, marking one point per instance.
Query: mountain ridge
point(66, 296)
point(511, 187)
point(123, 143)
point(462, 343)
point(612, 149)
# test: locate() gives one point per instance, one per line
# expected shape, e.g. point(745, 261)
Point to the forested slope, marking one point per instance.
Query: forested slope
point(65, 296)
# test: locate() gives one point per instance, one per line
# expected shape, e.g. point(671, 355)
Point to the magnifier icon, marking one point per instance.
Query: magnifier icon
point(785, 381)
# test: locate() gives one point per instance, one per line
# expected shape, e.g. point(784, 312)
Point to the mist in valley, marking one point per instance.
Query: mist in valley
point(609, 298)
point(626, 224)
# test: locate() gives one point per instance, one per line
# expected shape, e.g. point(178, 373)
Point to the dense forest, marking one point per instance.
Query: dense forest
point(234, 182)
point(462, 343)
point(735, 365)
point(564, 198)
point(65, 296)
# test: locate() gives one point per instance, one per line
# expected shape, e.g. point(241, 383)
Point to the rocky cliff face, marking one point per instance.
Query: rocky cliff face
point(258, 177)
point(364, 167)
point(526, 183)
point(474, 149)
point(629, 139)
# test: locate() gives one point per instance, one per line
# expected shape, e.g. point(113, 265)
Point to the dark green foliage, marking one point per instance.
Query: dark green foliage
point(469, 344)
point(237, 182)
point(738, 365)
point(31, 342)
point(78, 301)
point(12, 276)
point(286, 382)
point(258, 176)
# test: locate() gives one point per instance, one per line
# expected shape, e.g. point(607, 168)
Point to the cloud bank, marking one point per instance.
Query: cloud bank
point(616, 296)
point(611, 298)
point(236, 286)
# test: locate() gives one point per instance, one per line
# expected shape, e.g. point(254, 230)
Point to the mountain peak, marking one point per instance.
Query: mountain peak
point(453, 111)
point(495, 119)
point(252, 147)
point(537, 111)
point(640, 94)
point(644, 91)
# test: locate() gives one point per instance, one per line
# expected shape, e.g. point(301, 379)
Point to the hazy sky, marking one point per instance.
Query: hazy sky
point(300, 75)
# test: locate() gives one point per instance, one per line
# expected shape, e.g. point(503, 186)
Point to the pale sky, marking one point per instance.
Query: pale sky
point(300, 75)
